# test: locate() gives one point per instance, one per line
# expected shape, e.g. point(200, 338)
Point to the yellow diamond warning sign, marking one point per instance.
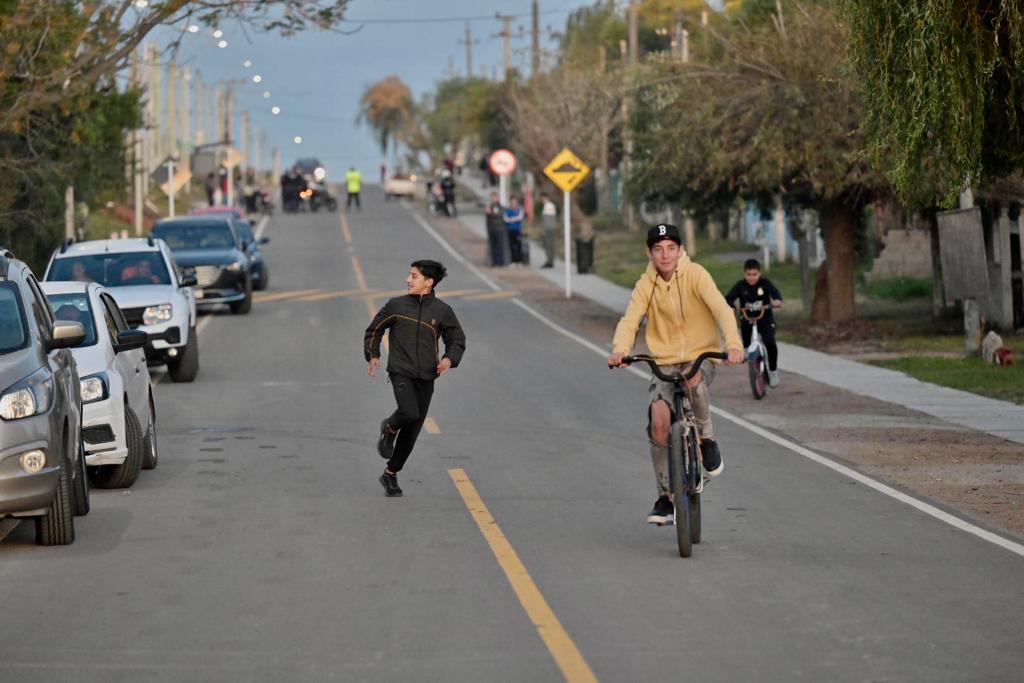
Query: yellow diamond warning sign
point(567, 170)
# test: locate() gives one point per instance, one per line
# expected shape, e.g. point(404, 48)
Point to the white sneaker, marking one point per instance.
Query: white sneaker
point(773, 378)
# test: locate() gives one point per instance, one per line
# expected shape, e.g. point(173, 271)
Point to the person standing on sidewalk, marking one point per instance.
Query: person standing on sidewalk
point(354, 185)
point(514, 226)
point(414, 323)
point(548, 224)
point(497, 236)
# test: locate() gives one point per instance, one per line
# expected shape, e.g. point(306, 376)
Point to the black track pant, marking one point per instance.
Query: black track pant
point(413, 399)
point(767, 331)
point(353, 197)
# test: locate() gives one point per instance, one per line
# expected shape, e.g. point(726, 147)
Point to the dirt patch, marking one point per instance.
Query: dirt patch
point(977, 474)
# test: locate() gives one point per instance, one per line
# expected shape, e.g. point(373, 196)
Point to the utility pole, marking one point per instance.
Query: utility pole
point(506, 47)
point(185, 124)
point(535, 39)
point(451, 66)
point(468, 42)
point(218, 113)
point(625, 167)
point(171, 130)
point(634, 33)
point(244, 139)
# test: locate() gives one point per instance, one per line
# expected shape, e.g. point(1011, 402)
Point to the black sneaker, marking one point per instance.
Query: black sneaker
point(390, 484)
point(386, 442)
point(712, 457)
point(662, 513)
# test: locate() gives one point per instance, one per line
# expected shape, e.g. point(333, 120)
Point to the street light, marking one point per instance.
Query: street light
point(298, 139)
point(257, 78)
point(222, 44)
point(217, 33)
point(266, 94)
point(247, 63)
point(193, 28)
point(275, 110)
point(142, 4)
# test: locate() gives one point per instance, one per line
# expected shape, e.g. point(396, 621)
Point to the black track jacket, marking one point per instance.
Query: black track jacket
point(416, 323)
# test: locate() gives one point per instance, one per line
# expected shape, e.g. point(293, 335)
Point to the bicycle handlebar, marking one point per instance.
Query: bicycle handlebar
point(694, 368)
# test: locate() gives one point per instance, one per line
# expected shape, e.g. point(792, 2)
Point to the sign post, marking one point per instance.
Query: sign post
point(503, 163)
point(567, 171)
point(170, 181)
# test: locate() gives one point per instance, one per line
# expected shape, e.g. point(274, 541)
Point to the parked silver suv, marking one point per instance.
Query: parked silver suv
point(42, 465)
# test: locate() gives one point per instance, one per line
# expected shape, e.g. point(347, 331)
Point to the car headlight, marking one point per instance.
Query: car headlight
point(157, 314)
point(236, 267)
point(94, 387)
point(31, 396)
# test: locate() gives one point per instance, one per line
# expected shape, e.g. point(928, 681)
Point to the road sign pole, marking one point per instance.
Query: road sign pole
point(503, 189)
point(567, 213)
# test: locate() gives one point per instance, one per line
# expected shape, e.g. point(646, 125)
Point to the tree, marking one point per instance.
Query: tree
point(943, 91)
point(388, 108)
point(773, 111)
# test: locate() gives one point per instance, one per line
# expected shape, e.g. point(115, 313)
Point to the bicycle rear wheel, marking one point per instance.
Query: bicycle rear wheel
point(680, 494)
point(756, 369)
point(693, 462)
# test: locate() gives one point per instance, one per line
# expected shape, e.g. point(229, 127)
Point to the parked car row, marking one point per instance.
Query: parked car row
point(77, 403)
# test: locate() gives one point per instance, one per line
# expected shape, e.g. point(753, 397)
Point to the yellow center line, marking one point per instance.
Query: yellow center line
point(357, 268)
point(431, 426)
point(285, 295)
point(486, 296)
point(568, 658)
point(321, 296)
point(345, 230)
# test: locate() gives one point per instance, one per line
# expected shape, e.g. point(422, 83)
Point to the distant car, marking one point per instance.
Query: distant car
point(147, 285)
point(210, 248)
point(258, 270)
point(118, 412)
point(42, 463)
point(400, 185)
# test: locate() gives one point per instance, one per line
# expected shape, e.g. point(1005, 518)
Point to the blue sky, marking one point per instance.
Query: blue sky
point(318, 77)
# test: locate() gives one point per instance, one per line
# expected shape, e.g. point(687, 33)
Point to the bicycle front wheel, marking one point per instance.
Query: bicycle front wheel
point(680, 493)
point(756, 369)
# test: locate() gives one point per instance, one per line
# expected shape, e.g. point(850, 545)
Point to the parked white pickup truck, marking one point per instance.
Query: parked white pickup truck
point(400, 185)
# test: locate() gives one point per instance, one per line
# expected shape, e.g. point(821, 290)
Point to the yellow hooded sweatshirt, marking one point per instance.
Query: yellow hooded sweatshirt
point(684, 315)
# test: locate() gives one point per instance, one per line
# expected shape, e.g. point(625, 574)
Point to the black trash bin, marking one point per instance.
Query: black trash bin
point(584, 255)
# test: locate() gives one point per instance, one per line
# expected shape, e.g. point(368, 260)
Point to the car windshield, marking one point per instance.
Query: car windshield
point(212, 235)
point(76, 308)
point(113, 270)
point(13, 333)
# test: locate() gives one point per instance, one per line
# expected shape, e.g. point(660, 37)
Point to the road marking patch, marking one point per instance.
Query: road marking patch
point(567, 656)
point(487, 296)
point(345, 229)
point(279, 296)
point(431, 426)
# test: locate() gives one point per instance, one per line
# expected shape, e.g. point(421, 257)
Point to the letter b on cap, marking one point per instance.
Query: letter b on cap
point(662, 230)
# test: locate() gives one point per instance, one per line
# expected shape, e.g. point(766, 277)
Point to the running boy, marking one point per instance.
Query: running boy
point(415, 321)
point(752, 289)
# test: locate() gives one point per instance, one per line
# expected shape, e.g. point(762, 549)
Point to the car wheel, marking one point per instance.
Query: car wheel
point(81, 484)
point(245, 305)
point(150, 457)
point(124, 475)
point(186, 366)
point(264, 280)
point(57, 526)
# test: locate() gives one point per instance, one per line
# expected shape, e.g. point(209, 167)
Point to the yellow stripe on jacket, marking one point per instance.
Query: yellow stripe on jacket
point(686, 315)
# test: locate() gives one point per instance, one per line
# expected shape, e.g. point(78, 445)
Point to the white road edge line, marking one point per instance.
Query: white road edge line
point(261, 226)
point(920, 505)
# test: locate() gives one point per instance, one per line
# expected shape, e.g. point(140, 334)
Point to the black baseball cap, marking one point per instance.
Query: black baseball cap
point(663, 231)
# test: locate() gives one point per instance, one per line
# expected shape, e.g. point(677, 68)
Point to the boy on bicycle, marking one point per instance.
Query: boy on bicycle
point(685, 315)
point(754, 289)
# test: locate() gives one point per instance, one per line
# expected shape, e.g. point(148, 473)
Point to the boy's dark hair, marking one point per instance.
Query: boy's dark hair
point(432, 269)
point(751, 264)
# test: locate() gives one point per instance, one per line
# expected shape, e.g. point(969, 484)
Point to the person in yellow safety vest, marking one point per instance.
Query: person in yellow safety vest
point(354, 184)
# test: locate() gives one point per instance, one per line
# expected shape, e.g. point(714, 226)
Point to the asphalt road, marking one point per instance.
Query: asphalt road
point(263, 549)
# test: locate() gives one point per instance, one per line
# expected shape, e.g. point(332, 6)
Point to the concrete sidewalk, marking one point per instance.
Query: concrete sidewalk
point(999, 418)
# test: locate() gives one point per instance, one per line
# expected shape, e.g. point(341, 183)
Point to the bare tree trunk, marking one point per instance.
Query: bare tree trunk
point(839, 221)
point(938, 293)
point(819, 305)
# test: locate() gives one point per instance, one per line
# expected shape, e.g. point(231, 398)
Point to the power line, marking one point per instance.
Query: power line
point(446, 20)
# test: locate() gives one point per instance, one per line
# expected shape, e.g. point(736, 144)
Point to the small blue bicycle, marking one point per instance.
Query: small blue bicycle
point(757, 355)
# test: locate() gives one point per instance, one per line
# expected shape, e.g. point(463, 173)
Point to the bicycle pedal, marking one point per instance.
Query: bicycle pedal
point(700, 485)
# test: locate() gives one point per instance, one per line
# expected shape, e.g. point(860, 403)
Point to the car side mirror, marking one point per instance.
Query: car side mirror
point(66, 333)
point(130, 339)
point(264, 240)
point(189, 280)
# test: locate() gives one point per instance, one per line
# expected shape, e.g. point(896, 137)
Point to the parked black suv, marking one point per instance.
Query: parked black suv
point(42, 463)
point(210, 247)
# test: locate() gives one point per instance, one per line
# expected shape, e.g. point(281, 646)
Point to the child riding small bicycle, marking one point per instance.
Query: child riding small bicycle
point(758, 296)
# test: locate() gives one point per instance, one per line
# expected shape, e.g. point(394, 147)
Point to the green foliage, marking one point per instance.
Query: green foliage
point(944, 91)
point(967, 374)
point(900, 289)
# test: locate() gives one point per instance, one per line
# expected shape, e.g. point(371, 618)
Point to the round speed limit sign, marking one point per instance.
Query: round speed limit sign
point(502, 162)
